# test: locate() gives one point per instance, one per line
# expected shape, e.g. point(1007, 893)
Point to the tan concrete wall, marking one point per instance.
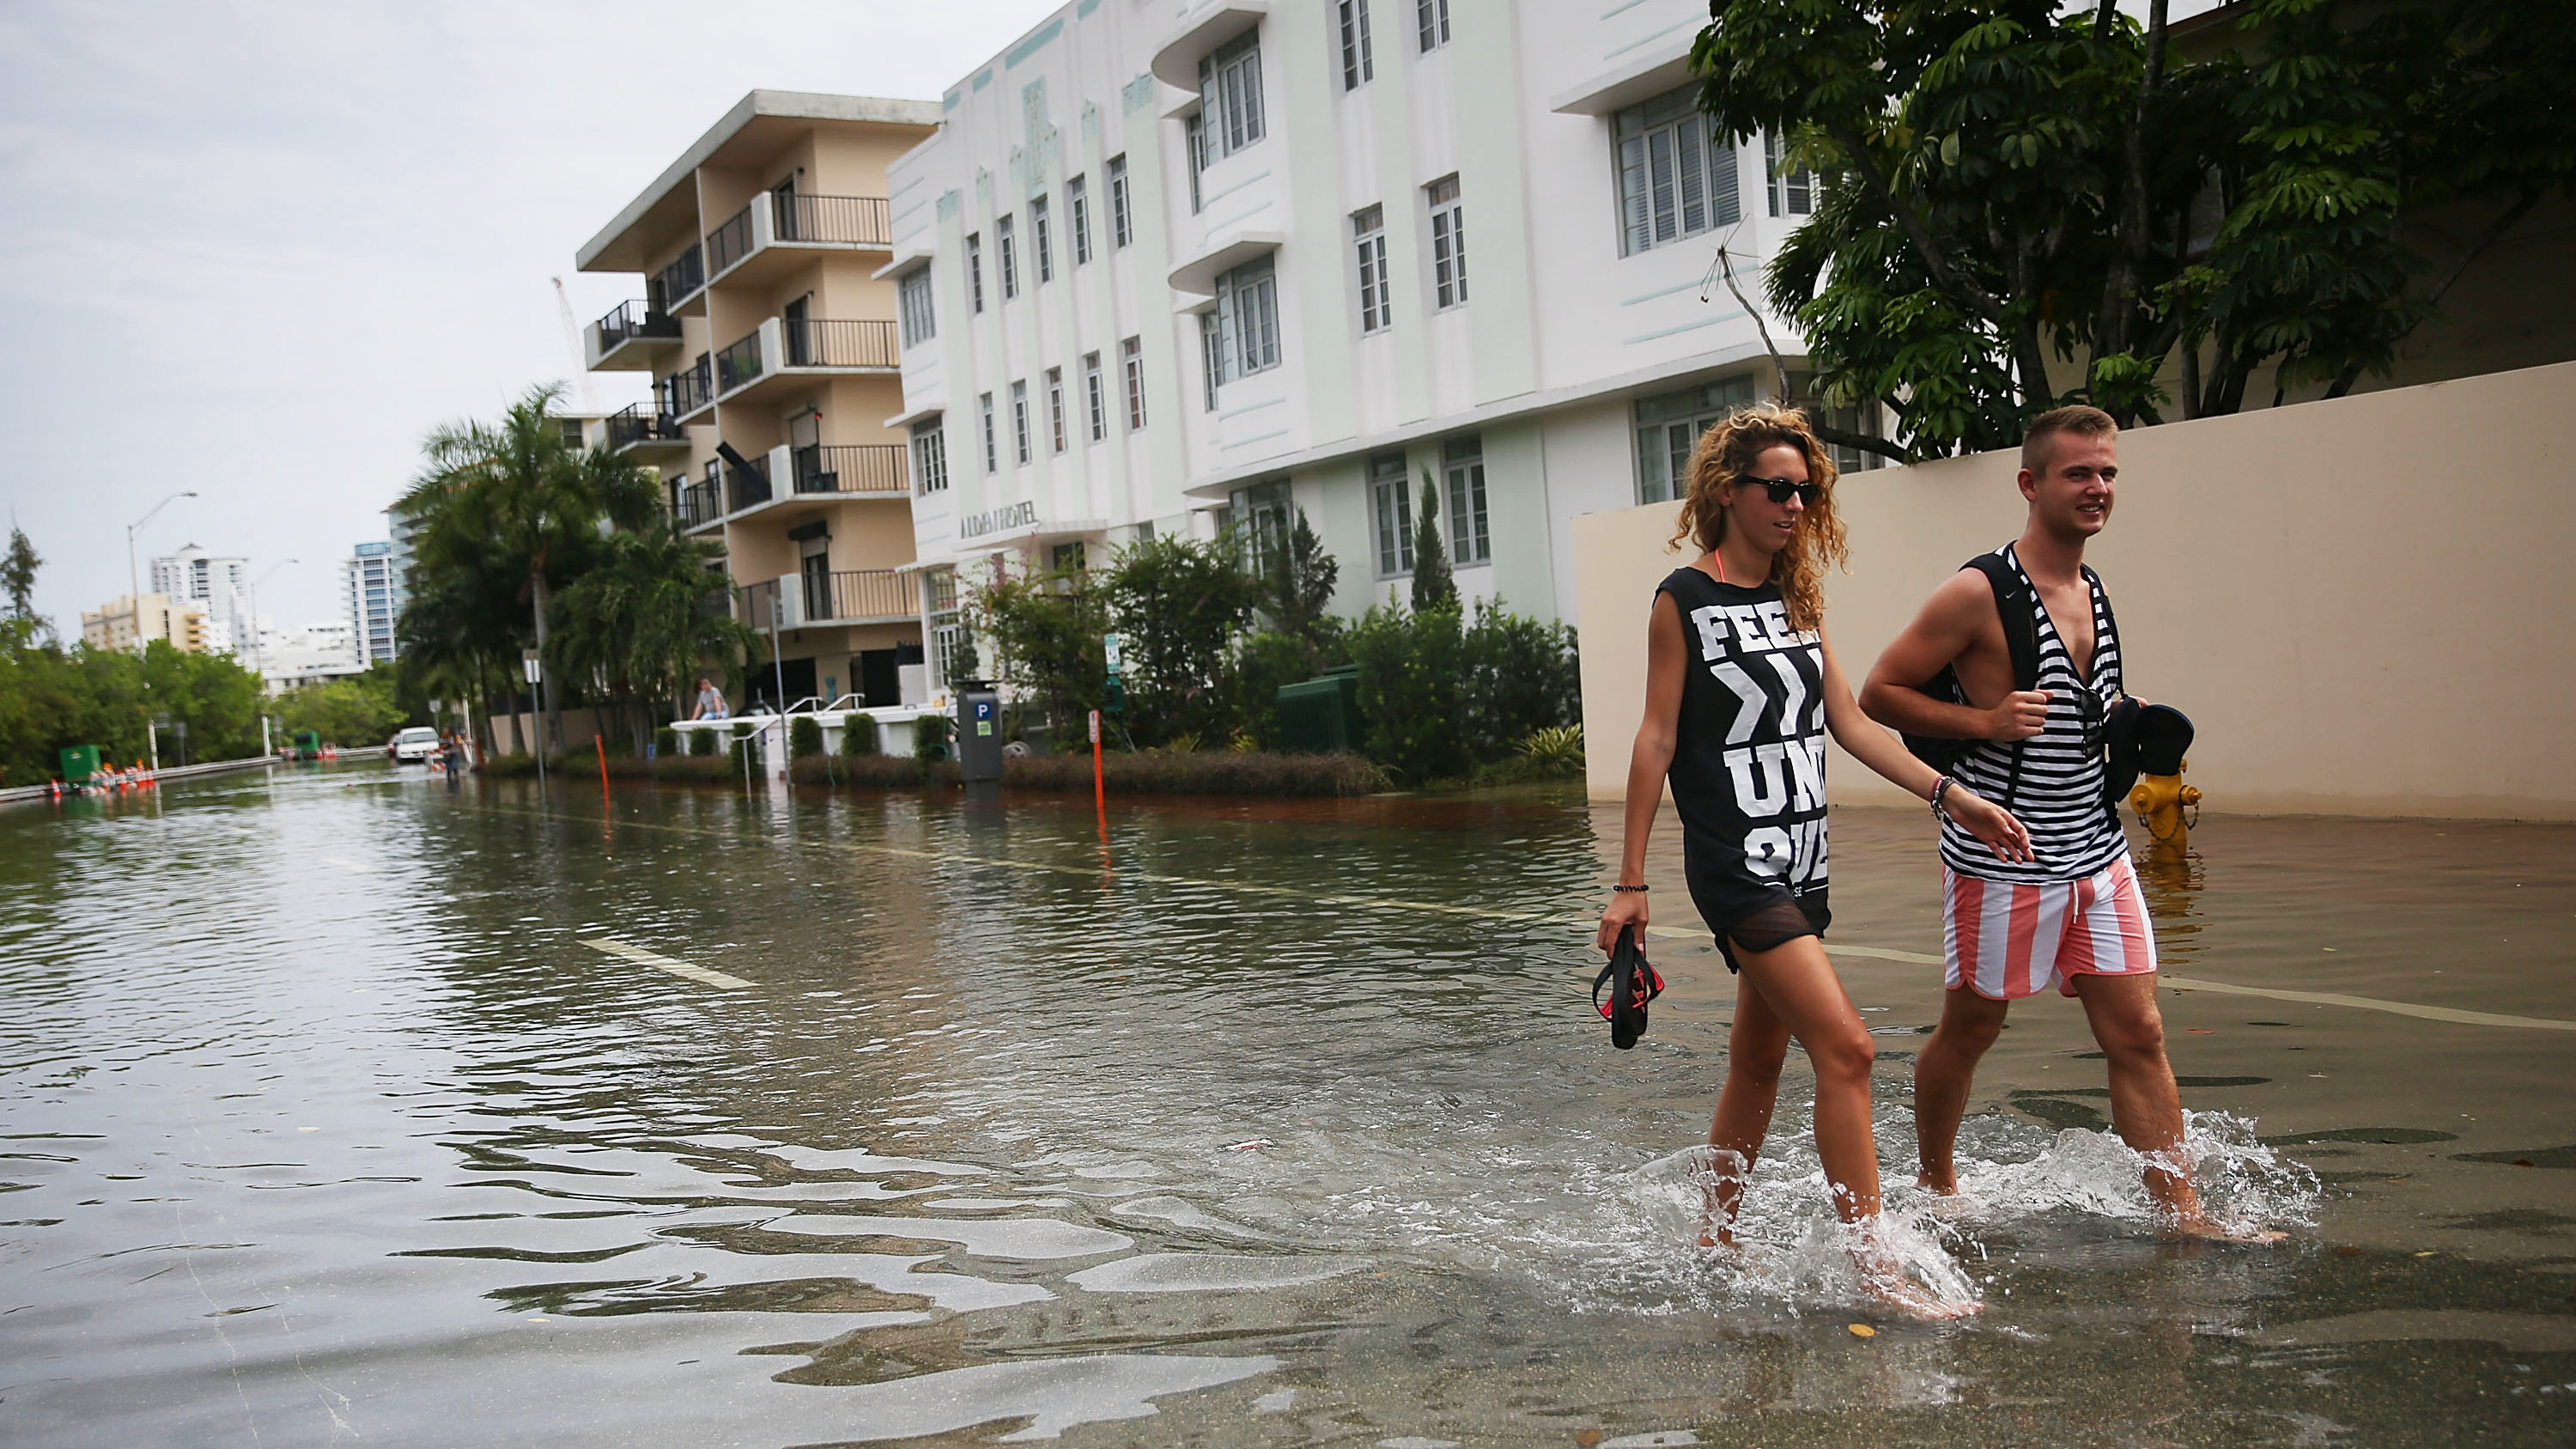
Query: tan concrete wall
point(2362, 604)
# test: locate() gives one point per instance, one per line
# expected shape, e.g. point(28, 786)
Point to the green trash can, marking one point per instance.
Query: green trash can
point(308, 744)
point(1321, 715)
point(79, 763)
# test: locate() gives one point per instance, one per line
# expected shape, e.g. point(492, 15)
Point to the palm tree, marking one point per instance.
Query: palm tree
point(641, 619)
point(521, 492)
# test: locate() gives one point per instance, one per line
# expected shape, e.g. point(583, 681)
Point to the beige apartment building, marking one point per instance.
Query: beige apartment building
point(772, 343)
point(115, 624)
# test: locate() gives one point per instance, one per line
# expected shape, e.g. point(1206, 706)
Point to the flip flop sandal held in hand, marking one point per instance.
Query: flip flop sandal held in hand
point(1633, 983)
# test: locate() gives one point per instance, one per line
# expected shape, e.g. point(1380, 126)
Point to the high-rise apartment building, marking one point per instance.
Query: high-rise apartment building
point(373, 597)
point(771, 338)
point(221, 586)
point(1169, 268)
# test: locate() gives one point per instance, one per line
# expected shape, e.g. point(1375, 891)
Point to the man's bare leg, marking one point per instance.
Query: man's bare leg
point(2146, 1106)
point(1943, 1073)
point(1755, 1051)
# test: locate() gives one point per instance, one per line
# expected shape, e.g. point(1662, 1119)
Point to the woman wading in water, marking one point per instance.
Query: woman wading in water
point(1741, 688)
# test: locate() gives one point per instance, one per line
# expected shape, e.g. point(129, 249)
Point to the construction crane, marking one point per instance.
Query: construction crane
point(572, 344)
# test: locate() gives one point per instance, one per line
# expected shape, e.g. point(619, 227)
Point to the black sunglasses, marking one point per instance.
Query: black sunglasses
point(1781, 488)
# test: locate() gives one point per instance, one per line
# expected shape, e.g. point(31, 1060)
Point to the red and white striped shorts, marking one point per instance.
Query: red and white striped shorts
point(2007, 941)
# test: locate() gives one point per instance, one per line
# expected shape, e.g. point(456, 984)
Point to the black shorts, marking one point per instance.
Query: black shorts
point(1757, 915)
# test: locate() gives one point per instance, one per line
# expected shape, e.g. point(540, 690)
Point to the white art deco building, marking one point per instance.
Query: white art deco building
point(1172, 265)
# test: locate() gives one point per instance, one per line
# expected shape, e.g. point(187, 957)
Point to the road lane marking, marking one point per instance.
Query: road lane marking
point(1585, 923)
point(642, 957)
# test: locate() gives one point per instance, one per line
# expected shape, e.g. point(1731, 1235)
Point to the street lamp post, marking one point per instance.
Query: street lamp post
point(134, 576)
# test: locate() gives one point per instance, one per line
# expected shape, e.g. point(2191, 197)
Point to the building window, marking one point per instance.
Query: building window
point(1020, 421)
point(1431, 22)
point(1357, 67)
point(1121, 229)
point(1040, 245)
point(1230, 96)
point(984, 409)
point(920, 324)
point(1676, 172)
point(975, 271)
point(1095, 397)
point(1194, 148)
point(1793, 194)
point(1055, 406)
point(1131, 361)
point(1448, 242)
point(1368, 231)
point(1260, 524)
point(1669, 424)
point(1463, 461)
point(1858, 419)
point(1240, 335)
point(1392, 503)
point(1211, 356)
point(1077, 205)
point(1010, 259)
point(930, 456)
point(1067, 558)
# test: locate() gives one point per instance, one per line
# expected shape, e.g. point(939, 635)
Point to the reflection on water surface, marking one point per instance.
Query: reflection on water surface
point(328, 1117)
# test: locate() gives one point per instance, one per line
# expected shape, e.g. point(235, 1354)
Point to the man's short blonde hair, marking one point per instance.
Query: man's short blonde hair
point(2090, 422)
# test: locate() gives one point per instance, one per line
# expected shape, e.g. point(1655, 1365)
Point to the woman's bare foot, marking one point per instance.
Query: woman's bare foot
point(1887, 1283)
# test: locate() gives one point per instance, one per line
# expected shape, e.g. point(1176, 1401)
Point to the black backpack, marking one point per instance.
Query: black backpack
point(2021, 640)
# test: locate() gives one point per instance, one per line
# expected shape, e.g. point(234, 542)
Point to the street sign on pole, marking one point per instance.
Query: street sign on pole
point(536, 670)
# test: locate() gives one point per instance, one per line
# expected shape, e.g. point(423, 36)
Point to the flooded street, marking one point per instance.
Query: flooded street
point(339, 1108)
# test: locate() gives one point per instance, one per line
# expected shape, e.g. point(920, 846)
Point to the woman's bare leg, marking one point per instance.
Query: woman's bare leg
point(1799, 989)
point(1755, 1050)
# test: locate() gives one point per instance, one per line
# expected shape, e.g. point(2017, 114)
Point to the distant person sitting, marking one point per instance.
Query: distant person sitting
point(711, 701)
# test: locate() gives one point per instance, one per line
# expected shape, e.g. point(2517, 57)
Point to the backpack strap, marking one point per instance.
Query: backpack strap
point(2021, 639)
point(2111, 632)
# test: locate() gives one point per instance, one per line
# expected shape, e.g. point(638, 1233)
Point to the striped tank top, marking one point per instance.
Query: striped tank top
point(2058, 791)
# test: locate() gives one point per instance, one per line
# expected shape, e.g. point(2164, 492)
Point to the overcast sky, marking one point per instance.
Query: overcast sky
point(257, 249)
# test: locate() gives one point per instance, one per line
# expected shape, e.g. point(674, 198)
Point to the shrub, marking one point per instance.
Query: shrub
point(666, 741)
point(1212, 772)
point(1270, 660)
point(1556, 751)
point(930, 737)
point(1517, 675)
point(1178, 605)
point(1409, 668)
point(702, 742)
point(858, 736)
point(1045, 630)
point(804, 737)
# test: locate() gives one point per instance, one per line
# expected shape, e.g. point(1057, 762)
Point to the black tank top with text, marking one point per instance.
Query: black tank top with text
point(1748, 771)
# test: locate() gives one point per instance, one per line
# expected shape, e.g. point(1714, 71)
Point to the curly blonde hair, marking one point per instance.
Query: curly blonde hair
point(1722, 458)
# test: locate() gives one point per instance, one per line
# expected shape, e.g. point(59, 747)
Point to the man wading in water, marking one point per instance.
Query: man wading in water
point(1741, 688)
point(2069, 913)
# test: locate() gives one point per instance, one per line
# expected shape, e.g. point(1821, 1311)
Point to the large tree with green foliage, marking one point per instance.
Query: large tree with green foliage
point(353, 711)
point(18, 574)
point(518, 491)
point(1044, 632)
point(1179, 605)
point(638, 621)
point(2010, 185)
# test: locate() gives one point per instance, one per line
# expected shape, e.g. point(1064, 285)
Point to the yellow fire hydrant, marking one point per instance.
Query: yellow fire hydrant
point(2160, 801)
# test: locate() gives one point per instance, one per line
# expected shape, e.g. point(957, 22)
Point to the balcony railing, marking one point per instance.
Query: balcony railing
point(686, 390)
point(746, 486)
point(696, 504)
point(738, 363)
point(642, 423)
point(677, 282)
point(816, 342)
point(632, 320)
point(854, 220)
point(850, 468)
point(729, 243)
point(859, 594)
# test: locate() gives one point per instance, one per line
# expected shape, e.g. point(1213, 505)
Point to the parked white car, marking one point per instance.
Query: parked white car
point(411, 745)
